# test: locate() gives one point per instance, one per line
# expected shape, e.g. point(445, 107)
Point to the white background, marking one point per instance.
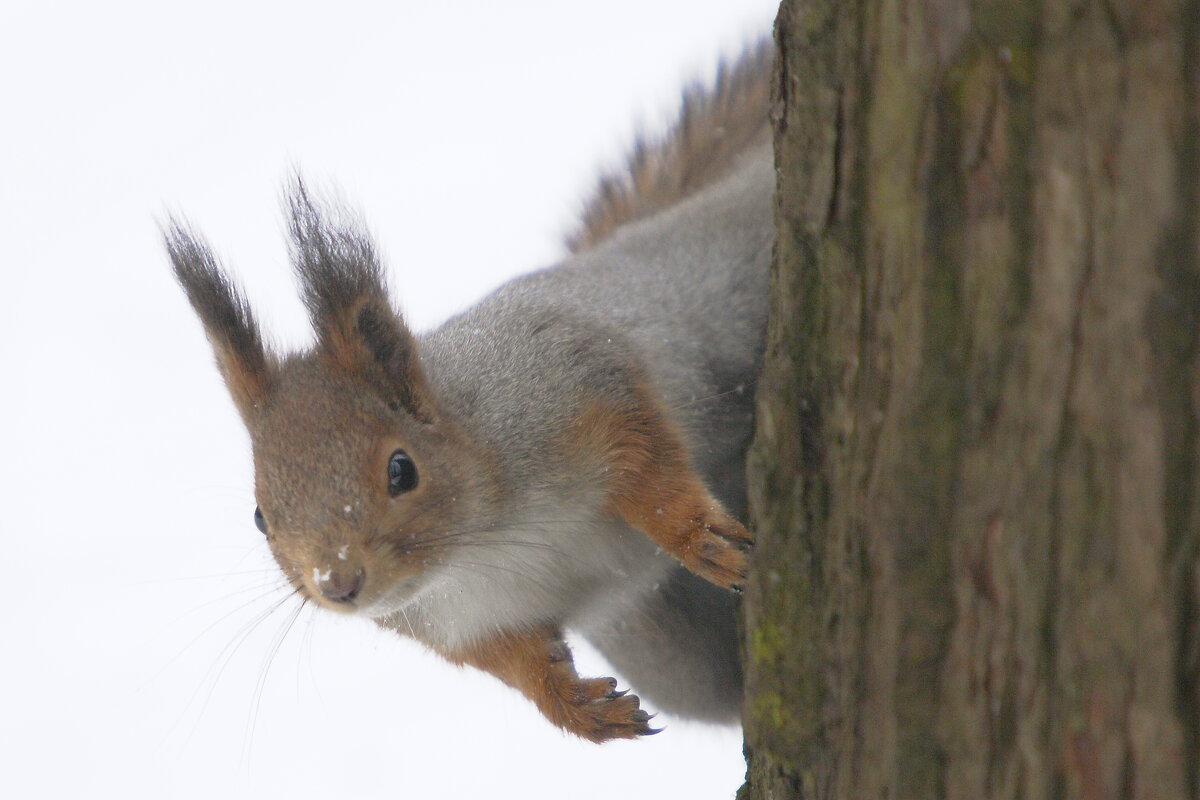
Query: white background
point(139, 657)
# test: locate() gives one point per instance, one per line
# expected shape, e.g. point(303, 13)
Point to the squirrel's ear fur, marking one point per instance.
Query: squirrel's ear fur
point(357, 329)
point(226, 316)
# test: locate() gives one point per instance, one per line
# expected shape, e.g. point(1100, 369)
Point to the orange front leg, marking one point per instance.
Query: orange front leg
point(641, 458)
point(539, 665)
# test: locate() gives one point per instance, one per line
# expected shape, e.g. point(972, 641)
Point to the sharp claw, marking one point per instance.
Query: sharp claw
point(651, 731)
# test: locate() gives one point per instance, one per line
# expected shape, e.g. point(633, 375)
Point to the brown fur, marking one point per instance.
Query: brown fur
point(538, 664)
point(643, 464)
point(323, 415)
point(715, 125)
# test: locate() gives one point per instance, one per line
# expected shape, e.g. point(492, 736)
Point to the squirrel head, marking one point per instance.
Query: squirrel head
point(360, 481)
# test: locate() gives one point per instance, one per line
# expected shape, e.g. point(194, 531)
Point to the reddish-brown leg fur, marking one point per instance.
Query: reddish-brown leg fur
point(652, 486)
point(538, 664)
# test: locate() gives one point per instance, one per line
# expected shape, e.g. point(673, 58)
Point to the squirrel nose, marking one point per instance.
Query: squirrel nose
point(341, 586)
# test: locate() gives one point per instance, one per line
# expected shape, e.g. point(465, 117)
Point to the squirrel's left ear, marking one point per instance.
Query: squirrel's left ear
point(343, 287)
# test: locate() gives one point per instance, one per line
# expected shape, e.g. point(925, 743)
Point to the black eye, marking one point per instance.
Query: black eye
point(402, 473)
point(260, 521)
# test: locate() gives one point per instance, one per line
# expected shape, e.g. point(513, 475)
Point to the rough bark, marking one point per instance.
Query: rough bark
point(974, 480)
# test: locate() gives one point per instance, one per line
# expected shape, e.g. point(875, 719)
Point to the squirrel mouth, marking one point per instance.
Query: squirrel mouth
point(392, 600)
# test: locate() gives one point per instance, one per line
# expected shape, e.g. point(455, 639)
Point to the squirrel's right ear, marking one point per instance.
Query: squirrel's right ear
point(226, 316)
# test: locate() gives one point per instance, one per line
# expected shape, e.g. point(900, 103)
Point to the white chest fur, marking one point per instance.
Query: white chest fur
point(553, 564)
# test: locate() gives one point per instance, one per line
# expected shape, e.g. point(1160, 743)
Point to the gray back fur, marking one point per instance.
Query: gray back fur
point(683, 294)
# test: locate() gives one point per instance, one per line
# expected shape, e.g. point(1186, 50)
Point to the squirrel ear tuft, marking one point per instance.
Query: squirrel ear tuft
point(343, 288)
point(226, 316)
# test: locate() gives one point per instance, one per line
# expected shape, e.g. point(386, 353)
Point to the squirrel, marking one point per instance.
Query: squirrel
point(567, 454)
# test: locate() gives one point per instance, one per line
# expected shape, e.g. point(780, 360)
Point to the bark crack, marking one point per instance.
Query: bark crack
point(839, 134)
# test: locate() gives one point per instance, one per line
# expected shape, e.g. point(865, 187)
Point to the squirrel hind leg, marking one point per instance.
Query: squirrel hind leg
point(650, 483)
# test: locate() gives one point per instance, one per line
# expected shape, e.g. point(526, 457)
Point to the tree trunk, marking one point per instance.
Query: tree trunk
point(974, 481)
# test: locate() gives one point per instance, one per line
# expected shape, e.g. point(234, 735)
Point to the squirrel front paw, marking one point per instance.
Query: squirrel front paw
point(538, 663)
point(693, 527)
point(703, 536)
point(717, 548)
point(593, 709)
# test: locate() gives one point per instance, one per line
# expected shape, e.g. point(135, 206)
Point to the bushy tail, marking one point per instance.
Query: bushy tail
point(716, 123)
